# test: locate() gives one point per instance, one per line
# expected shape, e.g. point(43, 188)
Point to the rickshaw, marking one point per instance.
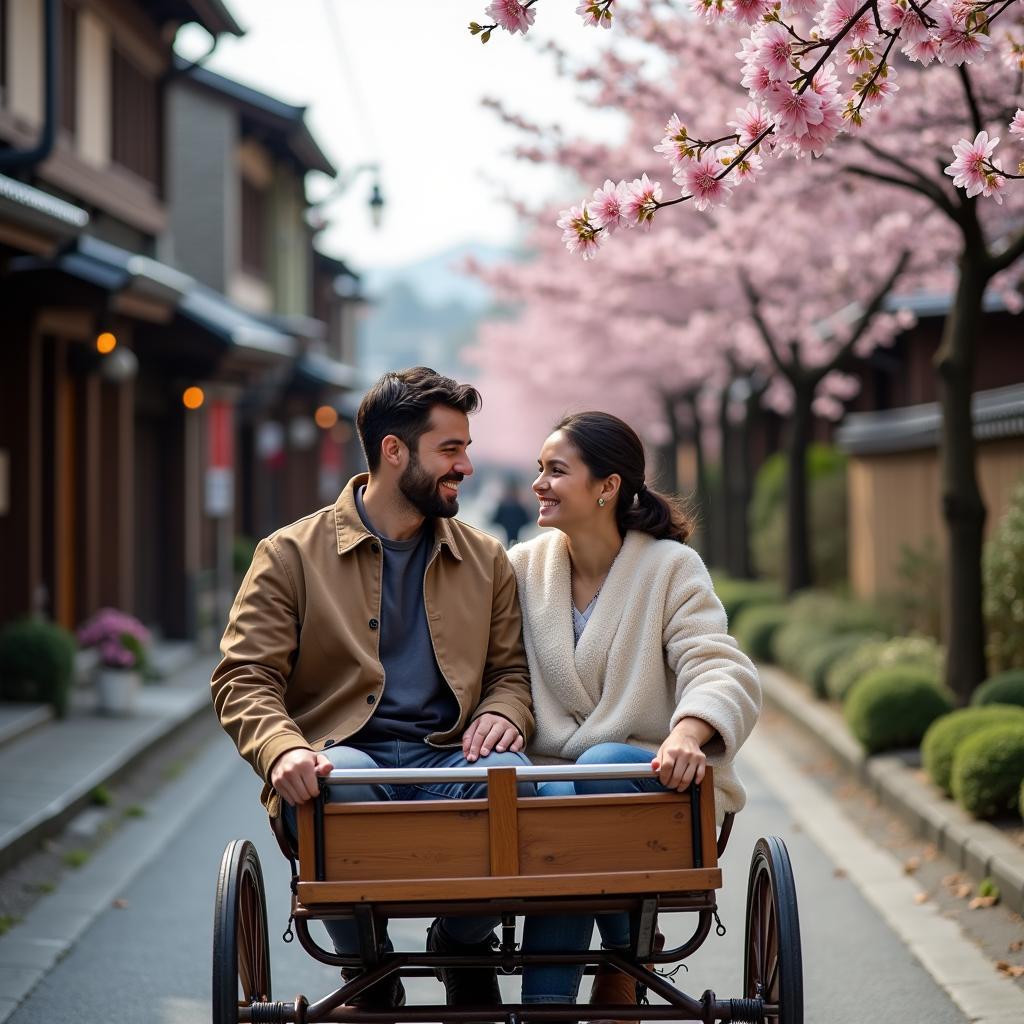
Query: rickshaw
point(506, 855)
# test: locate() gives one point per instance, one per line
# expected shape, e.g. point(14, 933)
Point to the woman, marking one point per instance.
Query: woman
point(630, 658)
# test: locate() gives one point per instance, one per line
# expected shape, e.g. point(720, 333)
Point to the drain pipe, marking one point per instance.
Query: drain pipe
point(14, 159)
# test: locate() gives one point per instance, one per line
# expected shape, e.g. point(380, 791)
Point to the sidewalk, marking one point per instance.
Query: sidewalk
point(977, 847)
point(51, 766)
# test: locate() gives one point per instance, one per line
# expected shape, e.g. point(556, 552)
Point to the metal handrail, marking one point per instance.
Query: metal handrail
point(527, 773)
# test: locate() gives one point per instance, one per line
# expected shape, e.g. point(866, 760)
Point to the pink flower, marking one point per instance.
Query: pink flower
point(595, 14)
point(642, 199)
point(700, 178)
point(746, 169)
point(794, 112)
point(957, 43)
point(511, 15)
point(710, 9)
point(898, 14)
point(835, 15)
point(747, 12)
point(774, 49)
point(924, 51)
point(606, 207)
point(969, 170)
point(1017, 124)
point(579, 233)
point(750, 121)
point(675, 146)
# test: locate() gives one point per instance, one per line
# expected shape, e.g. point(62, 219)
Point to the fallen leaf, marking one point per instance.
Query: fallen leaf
point(1010, 970)
point(1015, 947)
point(953, 879)
point(921, 897)
point(911, 864)
point(961, 892)
point(930, 853)
point(980, 902)
point(839, 873)
point(120, 904)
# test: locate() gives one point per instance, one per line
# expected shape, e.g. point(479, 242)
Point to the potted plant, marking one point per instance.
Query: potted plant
point(121, 641)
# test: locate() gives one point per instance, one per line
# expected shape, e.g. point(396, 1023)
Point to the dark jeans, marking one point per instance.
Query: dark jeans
point(410, 754)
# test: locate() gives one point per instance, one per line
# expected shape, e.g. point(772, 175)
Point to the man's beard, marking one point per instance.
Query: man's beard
point(421, 490)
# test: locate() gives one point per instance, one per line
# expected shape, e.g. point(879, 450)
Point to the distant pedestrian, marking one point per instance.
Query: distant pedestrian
point(511, 514)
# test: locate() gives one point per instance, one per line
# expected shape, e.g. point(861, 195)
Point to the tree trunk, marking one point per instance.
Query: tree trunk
point(799, 574)
point(743, 563)
point(703, 510)
point(962, 507)
point(723, 508)
point(668, 473)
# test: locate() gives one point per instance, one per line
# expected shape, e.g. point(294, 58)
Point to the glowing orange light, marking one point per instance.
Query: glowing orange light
point(105, 343)
point(325, 417)
point(193, 397)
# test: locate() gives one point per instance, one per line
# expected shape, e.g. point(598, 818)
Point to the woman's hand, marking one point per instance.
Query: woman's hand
point(680, 760)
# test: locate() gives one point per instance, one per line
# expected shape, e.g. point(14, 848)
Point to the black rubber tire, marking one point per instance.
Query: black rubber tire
point(772, 961)
point(241, 948)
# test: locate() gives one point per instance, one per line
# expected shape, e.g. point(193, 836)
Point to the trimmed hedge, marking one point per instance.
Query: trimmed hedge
point(899, 650)
point(891, 708)
point(736, 595)
point(944, 736)
point(37, 661)
point(1004, 688)
point(1002, 565)
point(988, 769)
point(755, 627)
point(818, 660)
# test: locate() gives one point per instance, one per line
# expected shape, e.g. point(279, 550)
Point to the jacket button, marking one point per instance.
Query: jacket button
point(374, 624)
point(375, 548)
point(328, 743)
point(370, 699)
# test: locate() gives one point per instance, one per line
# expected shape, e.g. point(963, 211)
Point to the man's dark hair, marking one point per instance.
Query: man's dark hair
point(399, 403)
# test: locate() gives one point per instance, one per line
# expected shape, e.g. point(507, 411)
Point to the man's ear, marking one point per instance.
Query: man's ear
point(393, 451)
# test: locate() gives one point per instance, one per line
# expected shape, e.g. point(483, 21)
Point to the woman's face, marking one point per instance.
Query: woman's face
point(567, 492)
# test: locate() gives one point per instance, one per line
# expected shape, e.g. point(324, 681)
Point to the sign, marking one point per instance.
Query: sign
point(220, 491)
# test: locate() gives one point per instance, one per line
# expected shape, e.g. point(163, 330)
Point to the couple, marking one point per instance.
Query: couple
point(382, 632)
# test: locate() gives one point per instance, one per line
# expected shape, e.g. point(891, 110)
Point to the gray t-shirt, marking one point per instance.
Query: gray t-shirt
point(416, 700)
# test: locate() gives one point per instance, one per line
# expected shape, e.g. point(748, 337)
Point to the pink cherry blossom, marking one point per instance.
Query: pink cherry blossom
point(511, 15)
point(606, 208)
point(957, 42)
point(643, 197)
point(968, 170)
point(794, 112)
point(835, 15)
point(747, 12)
point(750, 121)
point(1017, 124)
point(579, 233)
point(898, 14)
point(700, 178)
point(746, 169)
point(710, 9)
point(924, 51)
point(595, 15)
point(774, 49)
point(675, 146)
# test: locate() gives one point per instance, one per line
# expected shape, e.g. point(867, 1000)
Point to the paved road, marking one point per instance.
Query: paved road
point(150, 960)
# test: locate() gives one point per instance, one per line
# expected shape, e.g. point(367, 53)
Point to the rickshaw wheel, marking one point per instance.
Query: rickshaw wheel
point(241, 949)
point(772, 963)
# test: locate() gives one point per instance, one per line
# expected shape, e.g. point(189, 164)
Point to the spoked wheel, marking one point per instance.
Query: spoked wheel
point(772, 963)
point(241, 950)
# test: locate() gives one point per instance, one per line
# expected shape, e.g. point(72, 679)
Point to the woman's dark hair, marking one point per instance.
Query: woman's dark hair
point(607, 445)
point(399, 403)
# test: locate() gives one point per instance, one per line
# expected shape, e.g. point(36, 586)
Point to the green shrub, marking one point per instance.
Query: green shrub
point(1004, 688)
point(37, 661)
point(944, 736)
point(988, 768)
point(736, 595)
point(1020, 805)
point(826, 491)
point(816, 662)
point(1003, 571)
point(891, 708)
point(899, 650)
point(755, 627)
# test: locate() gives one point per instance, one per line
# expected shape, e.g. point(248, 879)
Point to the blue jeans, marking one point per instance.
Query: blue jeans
point(344, 933)
point(568, 933)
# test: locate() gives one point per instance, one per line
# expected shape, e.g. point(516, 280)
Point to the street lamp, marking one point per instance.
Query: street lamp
point(342, 183)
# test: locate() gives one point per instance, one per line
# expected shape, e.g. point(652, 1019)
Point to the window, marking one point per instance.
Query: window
point(254, 229)
point(135, 117)
point(68, 66)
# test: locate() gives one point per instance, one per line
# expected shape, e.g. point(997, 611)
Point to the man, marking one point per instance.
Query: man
point(382, 632)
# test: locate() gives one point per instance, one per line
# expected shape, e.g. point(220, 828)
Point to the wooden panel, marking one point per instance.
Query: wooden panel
point(502, 824)
point(617, 834)
point(307, 866)
point(708, 832)
point(362, 843)
point(694, 880)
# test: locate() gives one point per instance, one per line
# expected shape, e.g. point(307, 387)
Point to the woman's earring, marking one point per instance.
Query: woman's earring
point(600, 502)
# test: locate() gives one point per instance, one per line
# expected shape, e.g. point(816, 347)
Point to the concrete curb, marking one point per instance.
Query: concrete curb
point(18, 720)
point(50, 817)
point(975, 846)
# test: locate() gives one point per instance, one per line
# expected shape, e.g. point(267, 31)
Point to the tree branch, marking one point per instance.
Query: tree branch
point(931, 192)
point(972, 100)
point(1013, 251)
point(932, 186)
point(754, 299)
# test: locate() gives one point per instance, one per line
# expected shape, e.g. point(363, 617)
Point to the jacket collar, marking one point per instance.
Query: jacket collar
point(351, 530)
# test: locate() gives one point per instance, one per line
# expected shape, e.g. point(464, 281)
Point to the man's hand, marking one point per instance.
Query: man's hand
point(490, 732)
point(294, 774)
point(680, 760)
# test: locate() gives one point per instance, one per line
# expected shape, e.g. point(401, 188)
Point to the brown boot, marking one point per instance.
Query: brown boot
point(612, 987)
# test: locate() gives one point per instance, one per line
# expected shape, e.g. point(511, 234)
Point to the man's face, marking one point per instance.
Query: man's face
point(430, 481)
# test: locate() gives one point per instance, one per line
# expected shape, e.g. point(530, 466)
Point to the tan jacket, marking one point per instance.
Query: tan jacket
point(300, 661)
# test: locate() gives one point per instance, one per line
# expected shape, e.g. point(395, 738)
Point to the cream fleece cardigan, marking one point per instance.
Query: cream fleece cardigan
point(656, 650)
